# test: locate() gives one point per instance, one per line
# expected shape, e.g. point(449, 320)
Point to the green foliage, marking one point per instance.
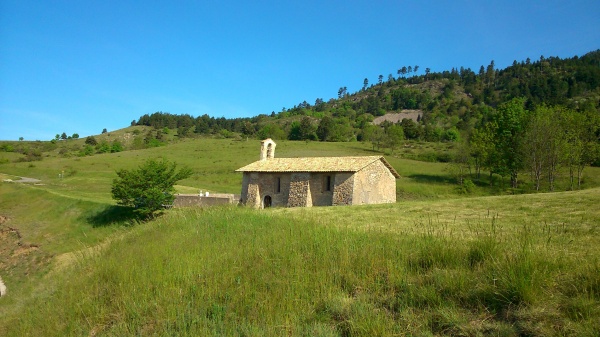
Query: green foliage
point(103, 147)
point(325, 128)
point(303, 130)
point(116, 146)
point(508, 127)
point(452, 135)
point(467, 186)
point(271, 130)
point(7, 147)
point(481, 147)
point(87, 150)
point(148, 188)
point(394, 135)
point(91, 140)
point(411, 129)
point(225, 134)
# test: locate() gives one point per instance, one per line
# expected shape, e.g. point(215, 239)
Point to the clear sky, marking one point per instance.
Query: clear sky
point(80, 66)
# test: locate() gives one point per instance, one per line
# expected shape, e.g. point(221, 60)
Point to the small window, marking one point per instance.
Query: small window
point(278, 185)
point(327, 183)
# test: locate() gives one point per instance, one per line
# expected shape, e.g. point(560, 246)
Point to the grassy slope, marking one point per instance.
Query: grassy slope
point(213, 161)
point(42, 228)
point(302, 271)
point(234, 271)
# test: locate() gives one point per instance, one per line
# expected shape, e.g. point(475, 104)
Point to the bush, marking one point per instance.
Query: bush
point(154, 143)
point(148, 188)
point(467, 187)
point(91, 140)
point(87, 150)
point(7, 148)
point(452, 135)
point(116, 146)
point(103, 147)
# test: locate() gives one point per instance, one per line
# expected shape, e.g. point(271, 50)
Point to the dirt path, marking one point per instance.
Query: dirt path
point(2, 288)
point(27, 180)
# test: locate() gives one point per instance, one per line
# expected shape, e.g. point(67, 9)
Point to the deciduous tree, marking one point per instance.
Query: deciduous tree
point(481, 144)
point(325, 128)
point(581, 142)
point(509, 126)
point(394, 135)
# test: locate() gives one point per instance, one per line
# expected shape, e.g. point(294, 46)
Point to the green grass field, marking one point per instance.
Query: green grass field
point(438, 262)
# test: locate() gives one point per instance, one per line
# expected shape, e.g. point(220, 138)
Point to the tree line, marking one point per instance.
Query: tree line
point(539, 142)
point(451, 102)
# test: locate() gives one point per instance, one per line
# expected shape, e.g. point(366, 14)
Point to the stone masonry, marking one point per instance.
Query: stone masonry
point(323, 181)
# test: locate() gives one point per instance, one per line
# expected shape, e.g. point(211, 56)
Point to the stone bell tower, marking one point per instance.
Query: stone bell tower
point(267, 149)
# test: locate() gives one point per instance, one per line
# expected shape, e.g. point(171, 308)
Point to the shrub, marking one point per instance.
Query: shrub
point(154, 143)
point(7, 148)
point(148, 188)
point(116, 146)
point(103, 147)
point(452, 135)
point(467, 187)
point(87, 150)
point(91, 140)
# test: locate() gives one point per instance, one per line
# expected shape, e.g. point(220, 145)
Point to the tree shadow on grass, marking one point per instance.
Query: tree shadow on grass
point(425, 178)
point(113, 215)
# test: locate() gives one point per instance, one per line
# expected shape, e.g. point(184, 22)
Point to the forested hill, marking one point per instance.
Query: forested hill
point(449, 103)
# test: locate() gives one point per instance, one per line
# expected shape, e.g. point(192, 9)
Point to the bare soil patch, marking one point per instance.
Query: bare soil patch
point(18, 258)
point(398, 117)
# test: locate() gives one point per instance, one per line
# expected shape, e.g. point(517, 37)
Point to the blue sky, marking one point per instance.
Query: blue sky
point(81, 66)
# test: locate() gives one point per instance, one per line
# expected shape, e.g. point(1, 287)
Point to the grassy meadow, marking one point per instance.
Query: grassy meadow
point(438, 262)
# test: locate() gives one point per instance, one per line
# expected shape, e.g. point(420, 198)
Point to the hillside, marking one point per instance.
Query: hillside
point(458, 98)
point(539, 118)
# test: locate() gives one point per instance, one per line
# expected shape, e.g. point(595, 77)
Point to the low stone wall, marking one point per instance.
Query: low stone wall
point(195, 200)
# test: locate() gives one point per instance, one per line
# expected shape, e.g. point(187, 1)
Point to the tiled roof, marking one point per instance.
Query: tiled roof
point(315, 164)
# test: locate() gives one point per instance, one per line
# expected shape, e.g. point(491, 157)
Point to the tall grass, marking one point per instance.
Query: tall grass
point(238, 272)
point(42, 230)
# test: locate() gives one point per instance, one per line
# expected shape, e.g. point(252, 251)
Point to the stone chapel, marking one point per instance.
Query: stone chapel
point(316, 181)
